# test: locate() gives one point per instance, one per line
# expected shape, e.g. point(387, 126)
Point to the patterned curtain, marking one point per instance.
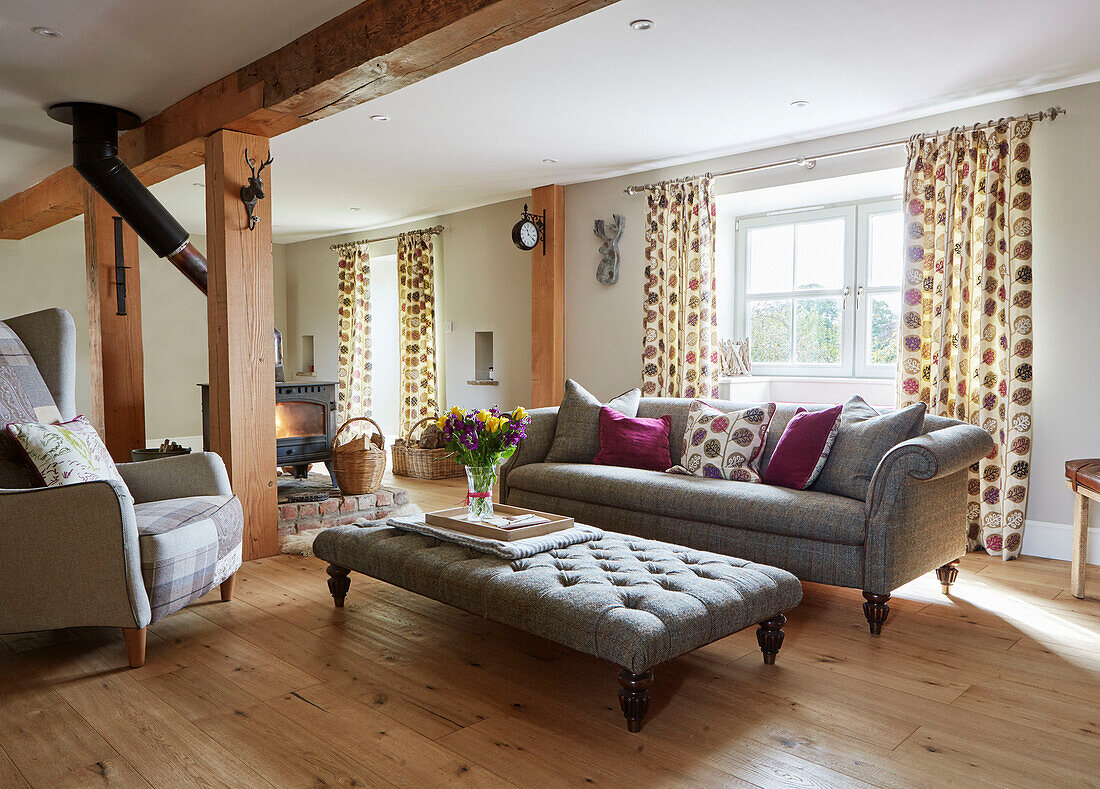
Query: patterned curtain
point(966, 331)
point(680, 351)
point(416, 298)
point(353, 395)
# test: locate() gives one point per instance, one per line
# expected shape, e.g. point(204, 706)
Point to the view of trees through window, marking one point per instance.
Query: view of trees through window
point(821, 289)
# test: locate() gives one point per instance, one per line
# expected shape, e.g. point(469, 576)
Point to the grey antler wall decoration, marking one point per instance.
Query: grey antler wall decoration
point(607, 272)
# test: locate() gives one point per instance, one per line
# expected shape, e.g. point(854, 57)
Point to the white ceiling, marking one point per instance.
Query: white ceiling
point(713, 77)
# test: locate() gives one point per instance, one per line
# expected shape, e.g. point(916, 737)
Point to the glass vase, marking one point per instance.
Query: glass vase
point(480, 481)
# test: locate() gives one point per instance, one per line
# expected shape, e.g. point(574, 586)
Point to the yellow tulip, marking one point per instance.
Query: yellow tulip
point(484, 415)
point(441, 422)
point(458, 412)
point(493, 423)
point(519, 413)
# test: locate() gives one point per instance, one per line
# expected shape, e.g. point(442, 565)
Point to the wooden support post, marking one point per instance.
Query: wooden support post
point(548, 300)
point(241, 317)
point(116, 358)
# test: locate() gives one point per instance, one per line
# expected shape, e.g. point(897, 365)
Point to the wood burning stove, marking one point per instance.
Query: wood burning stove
point(305, 424)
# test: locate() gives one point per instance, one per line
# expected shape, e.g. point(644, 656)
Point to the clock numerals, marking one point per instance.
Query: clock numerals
point(527, 232)
point(530, 235)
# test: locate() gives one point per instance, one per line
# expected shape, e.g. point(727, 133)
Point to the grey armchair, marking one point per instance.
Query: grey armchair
point(114, 557)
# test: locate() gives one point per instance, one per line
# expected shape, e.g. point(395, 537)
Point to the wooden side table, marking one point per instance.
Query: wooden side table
point(1083, 478)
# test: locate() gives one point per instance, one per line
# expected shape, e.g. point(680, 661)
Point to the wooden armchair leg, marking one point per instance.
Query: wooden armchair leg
point(135, 645)
point(1080, 546)
point(227, 587)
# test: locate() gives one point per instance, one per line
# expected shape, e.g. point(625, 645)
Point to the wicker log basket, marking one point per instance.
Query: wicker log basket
point(409, 460)
point(360, 463)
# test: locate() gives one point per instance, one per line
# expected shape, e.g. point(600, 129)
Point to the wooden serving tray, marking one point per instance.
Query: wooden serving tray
point(452, 519)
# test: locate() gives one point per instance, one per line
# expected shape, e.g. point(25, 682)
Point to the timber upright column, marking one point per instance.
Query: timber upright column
point(548, 300)
point(241, 316)
point(114, 328)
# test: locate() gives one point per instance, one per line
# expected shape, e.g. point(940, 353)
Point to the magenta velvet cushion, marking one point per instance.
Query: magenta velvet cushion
point(634, 442)
point(803, 448)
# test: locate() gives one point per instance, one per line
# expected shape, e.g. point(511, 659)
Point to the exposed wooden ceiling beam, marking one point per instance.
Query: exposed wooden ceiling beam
point(368, 51)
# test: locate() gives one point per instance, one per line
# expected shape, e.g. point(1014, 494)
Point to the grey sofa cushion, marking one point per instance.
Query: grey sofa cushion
point(864, 439)
point(577, 436)
point(763, 508)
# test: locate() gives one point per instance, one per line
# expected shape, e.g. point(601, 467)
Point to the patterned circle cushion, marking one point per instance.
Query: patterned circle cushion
point(65, 453)
point(725, 446)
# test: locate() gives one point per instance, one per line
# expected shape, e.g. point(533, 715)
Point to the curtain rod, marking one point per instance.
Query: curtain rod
point(431, 231)
point(809, 162)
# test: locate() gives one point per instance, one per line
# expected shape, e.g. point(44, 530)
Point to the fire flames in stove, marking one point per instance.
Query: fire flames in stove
point(295, 419)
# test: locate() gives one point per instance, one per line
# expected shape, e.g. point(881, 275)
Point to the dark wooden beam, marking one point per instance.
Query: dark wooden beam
point(548, 300)
point(116, 357)
point(241, 320)
point(375, 48)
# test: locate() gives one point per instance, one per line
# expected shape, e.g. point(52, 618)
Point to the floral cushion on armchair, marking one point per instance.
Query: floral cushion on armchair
point(65, 453)
point(725, 445)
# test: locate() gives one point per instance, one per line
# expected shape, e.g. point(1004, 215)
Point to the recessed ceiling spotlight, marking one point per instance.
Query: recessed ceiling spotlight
point(549, 160)
point(800, 103)
point(46, 32)
point(641, 24)
point(380, 118)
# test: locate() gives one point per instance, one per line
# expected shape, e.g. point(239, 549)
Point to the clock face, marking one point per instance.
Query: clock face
point(525, 234)
point(529, 234)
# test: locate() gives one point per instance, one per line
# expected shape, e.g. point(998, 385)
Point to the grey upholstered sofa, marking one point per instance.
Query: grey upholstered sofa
point(93, 554)
point(912, 521)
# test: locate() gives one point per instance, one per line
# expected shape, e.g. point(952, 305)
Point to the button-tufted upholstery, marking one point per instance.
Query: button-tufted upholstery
point(635, 602)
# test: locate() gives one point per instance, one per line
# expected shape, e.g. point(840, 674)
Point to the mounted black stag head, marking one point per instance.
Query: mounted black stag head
point(254, 191)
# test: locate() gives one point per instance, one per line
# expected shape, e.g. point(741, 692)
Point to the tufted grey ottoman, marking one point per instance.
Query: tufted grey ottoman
point(634, 602)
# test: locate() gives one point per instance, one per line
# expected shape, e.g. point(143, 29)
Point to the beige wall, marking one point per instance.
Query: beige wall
point(47, 270)
point(483, 283)
point(603, 324)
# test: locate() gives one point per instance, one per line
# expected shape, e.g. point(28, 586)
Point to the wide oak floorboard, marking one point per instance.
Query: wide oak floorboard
point(994, 686)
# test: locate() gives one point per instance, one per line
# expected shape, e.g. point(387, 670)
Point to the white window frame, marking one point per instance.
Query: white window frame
point(855, 316)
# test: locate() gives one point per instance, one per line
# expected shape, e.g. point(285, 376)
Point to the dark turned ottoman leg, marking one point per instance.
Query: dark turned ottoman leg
point(634, 697)
point(947, 575)
point(770, 637)
point(338, 583)
point(876, 610)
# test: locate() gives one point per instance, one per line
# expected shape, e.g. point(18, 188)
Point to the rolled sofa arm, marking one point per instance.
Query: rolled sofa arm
point(916, 505)
point(176, 477)
point(533, 449)
point(70, 559)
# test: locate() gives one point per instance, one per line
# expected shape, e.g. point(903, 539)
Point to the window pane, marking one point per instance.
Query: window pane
point(819, 255)
point(770, 331)
point(882, 343)
point(886, 249)
point(771, 258)
point(817, 331)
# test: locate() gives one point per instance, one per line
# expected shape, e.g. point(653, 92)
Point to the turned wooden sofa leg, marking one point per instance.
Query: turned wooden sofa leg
point(634, 697)
point(947, 575)
point(769, 635)
point(876, 610)
point(135, 645)
point(227, 587)
point(338, 583)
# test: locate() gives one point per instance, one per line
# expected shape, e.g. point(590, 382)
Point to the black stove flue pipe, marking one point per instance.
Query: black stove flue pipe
point(95, 157)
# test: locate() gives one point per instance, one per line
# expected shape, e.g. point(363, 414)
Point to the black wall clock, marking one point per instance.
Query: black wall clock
point(529, 231)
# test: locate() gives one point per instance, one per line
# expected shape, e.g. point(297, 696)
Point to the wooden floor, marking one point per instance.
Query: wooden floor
point(996, 686)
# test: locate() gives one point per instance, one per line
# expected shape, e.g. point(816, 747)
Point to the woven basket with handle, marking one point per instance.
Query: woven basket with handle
point(360, 463)
point(412, 461)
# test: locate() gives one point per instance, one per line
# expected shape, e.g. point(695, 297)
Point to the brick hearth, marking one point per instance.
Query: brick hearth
point(339, 510)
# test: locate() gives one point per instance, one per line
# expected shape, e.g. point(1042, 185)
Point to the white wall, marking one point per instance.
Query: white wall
point(603, 324)
point(483, 283)
point(48, 270)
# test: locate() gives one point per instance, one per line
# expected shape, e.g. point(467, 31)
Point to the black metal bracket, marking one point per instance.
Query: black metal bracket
point(120, 267)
